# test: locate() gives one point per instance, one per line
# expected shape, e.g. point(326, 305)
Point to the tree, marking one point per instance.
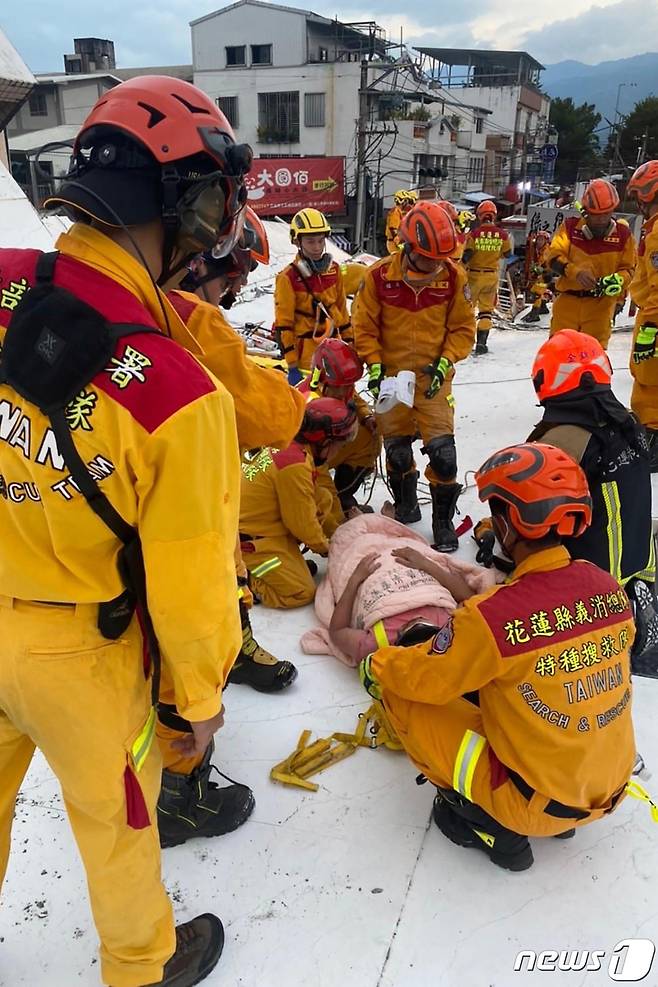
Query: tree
point(578, 143)
point(643, 119)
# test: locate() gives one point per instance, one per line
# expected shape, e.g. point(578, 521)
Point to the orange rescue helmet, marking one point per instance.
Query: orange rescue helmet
point(336, 364)
point(643, 184)
point(486, 208)
point(543, 488)
point(428, 230)
point(155, 147)
point(451, 209)
point(568, 361)
point(600, 197)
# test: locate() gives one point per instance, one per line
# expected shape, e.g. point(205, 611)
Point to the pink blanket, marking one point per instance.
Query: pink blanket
point(393, 589)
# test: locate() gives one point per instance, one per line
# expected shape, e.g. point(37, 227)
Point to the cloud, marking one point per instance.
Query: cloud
point(159, 34)
point(625, 28)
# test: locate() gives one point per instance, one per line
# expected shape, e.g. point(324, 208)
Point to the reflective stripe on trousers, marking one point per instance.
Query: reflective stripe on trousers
point(266, 567)
point(466, 761)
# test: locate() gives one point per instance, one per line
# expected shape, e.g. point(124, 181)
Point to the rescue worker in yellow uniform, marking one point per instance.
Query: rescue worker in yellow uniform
point(403, 200)
point(572, 378)
point(594, 257)
point(281, 506)
point(335, 369)
point(268, 411)
point(643, 186)
point(147, 433)
point(309, 296)
point(539, 276)
point(519, 709)
point(414, 314)
point(486, 245)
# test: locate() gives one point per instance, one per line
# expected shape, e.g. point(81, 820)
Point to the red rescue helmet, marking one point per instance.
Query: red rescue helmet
point(486, 208)
point(600, 197)
point(336, 364)
point(156, 147)
point(643, 184)
point(327, 420)
point(543, 488)
point(568, 361)
point(428, 230)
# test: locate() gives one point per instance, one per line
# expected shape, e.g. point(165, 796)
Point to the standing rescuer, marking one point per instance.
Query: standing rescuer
point(593, 257)
point(414, 313)
point(643, 186)
point(267, 410)
point(486, 244)
point(403, 200)
point(309, 297)
point(157, 177)
point(519, 710)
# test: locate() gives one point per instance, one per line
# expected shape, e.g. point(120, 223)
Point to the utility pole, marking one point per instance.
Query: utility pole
point(375, 211)
point(359, 223)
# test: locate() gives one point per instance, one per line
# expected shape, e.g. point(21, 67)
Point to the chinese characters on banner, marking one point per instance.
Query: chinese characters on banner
point(282, 186)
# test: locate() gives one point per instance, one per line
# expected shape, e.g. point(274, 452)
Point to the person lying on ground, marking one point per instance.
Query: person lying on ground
point(355, 643)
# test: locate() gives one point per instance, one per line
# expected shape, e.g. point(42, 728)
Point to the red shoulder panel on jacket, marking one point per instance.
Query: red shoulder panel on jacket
point(184, 305)
point(294, 455)
point(547, 609)
point(150, 375)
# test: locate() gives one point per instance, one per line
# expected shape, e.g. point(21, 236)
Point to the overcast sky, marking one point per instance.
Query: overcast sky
point(156, 32)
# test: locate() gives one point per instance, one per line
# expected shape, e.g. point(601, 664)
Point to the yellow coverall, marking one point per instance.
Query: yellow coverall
point(644, 292)
point(549, 653)
point(573, 307)
point(393, 220)
point(145, 426)
point(353, 275)
point(267, 412)
point(488, 243)
point(308, 309)
point(281, 507)
point(406, 328)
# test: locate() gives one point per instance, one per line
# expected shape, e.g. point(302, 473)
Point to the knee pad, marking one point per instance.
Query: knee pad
point(399, 455)
point(442, 454)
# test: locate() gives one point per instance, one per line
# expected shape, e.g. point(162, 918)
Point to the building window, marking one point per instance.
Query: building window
point(229, 107)
point(38, 104)
point(236, 55)
point(476, 170)
point(324, 54)
point(479, 125)
point(278, 118)
point(261, 54)
point(314, 109)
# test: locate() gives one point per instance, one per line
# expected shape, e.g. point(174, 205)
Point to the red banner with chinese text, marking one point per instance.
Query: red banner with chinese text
point(281, 186)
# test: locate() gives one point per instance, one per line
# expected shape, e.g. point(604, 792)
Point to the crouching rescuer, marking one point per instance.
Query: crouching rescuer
point(519, 710)
point(414, 314)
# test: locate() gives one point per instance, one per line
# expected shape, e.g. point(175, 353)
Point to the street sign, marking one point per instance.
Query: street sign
point(548, 152)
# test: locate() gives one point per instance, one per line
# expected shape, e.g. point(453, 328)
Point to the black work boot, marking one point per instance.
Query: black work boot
point(652, 440)
point(255, 666)
point(347, 480)
point(532, 316)
point(199, 945)
point(404, 487)
point(192, 805)
point(543, 308)
point(481, 342)
point(444, 504)
point(470, 826)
